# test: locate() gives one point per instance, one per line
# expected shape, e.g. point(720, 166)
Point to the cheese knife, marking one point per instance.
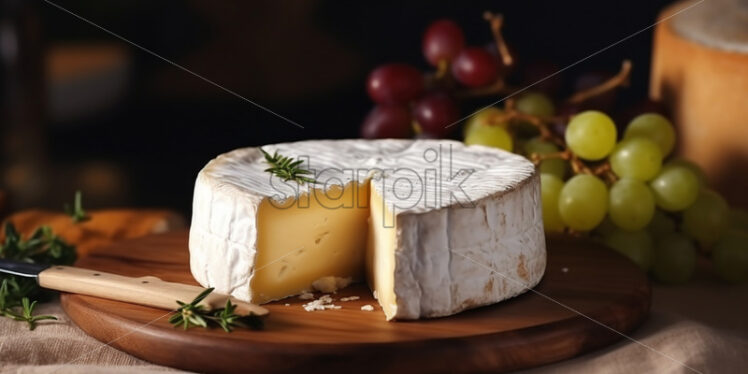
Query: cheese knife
point(148, 291)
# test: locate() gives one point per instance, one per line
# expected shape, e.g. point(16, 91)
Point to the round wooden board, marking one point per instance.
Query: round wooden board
point(532, 329)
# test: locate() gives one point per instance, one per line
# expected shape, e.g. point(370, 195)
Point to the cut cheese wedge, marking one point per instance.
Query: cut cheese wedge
point(434, 227)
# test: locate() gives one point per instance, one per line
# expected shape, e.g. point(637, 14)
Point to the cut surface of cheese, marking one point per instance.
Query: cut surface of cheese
point(434, 227)
point(380, 254)
point(313, 238)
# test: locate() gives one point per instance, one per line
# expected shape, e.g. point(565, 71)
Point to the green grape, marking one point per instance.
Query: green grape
point(730, 256)
point(707, 218)
point(739, 219)
point(486, 117)
point(538, 145)
point(655, 127)
point(675, 188)
point(638, 158)
point(535, 104)
point(636, 245)
point(525, 130)
point(591, 135)
point(695, 169)
point(554, 166)
point(661, 224)
point(674, 258)
point(550, 189)
point(491, 136)
point(631, 204)
point(583, 202)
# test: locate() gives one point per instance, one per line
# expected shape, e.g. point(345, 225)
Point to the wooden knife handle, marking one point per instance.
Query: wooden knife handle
point(149, 291)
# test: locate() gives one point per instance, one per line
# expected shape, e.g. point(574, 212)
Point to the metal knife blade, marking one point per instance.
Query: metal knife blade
point(23, 269)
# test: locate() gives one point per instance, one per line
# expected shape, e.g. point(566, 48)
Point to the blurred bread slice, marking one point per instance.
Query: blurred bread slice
point(104, 226)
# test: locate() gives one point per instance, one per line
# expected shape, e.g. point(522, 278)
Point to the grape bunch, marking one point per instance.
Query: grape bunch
point(628, 192)
point(618, 184)
point(409, 102)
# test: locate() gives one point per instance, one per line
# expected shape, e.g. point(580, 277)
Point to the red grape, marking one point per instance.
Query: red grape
point(434, 112)
point(442, 41)
point(387, 121)
point(475, 67)
point(394, 84)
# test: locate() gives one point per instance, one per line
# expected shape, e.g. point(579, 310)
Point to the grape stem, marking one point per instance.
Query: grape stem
point(497, 88)
point(496, 21)
point(537, 158)
point(512, 115)
point(577, 165)
point(619, 80)
point(604, 170)
point(442, 69)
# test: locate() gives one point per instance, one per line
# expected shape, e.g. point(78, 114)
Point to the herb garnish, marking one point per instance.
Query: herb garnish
point(42, 247)
point(286, 168)
point(192, 314)
point(76, 212)
point(27, 309)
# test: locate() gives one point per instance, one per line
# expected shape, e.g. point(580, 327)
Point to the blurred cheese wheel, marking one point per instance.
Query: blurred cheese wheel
point(700, 71)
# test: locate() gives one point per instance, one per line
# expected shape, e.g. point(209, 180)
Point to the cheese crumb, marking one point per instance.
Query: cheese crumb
point(375, 295)
point(287, 304)
point(306, 296)
point(367, 308)
point(324, 302)
point(349, 298)
point(331, 284)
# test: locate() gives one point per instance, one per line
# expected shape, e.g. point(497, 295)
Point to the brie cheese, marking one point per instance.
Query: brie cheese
point(435, 227)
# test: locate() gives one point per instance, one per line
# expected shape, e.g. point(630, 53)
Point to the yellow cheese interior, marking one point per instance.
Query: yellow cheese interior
point(380, 254)
point(320, 234)
point(344, 233)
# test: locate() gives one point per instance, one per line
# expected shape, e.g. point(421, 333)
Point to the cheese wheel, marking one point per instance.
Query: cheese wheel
point(435, 227)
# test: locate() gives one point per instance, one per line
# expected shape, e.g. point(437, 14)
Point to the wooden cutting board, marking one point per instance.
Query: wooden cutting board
point(530, 330)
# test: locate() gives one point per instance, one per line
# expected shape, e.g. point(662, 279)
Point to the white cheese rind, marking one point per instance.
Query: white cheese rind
point(449, 257)
point(458, 258)
point(223, 237)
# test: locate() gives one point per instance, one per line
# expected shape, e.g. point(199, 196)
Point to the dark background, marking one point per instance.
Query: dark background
point(306, 60)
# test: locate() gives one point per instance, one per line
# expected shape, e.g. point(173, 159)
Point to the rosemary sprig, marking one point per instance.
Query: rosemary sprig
point(191, 314)
point(194, 315)
point(287, 168)
point(76, 212)
point(42, 247)
point(227, 319)
point(8, 306)
point(27, 313)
